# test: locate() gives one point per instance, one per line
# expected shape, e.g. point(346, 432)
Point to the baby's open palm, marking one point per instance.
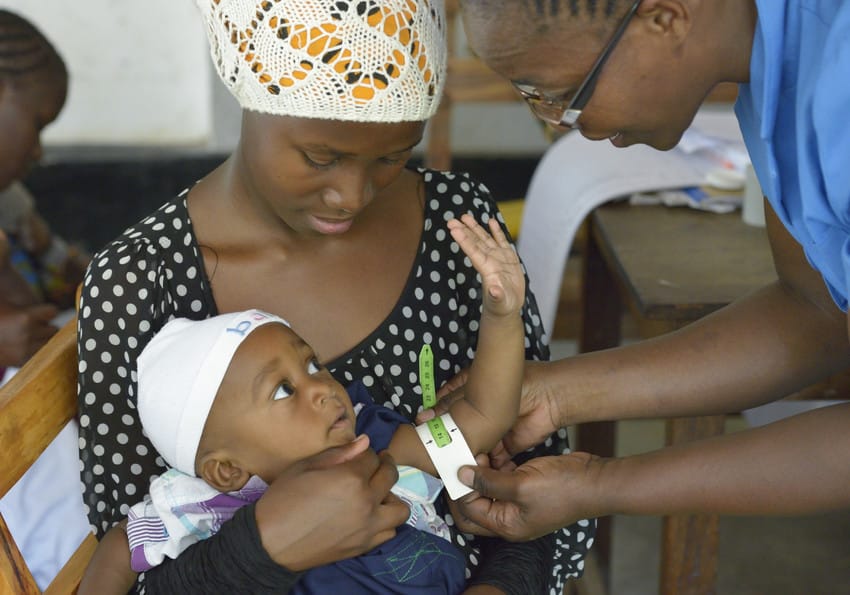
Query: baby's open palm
point(495, 260)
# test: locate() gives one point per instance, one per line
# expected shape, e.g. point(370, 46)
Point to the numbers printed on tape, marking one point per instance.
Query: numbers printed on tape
point(429, 395)
point(450, 457)
point(439, 432)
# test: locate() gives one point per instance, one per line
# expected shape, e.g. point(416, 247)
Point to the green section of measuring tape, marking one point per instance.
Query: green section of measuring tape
point(429, 395)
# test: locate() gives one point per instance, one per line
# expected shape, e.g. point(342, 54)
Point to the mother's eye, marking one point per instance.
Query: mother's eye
point(283, 391)
point(320, 163)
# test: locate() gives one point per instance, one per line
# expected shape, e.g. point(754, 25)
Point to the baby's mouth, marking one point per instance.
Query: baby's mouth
point(341, 420)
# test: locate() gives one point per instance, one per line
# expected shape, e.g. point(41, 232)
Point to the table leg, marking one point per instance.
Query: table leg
point(600, 329)
point(689, 547)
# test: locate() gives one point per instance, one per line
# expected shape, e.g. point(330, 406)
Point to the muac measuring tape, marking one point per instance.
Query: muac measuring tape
point(443, 440)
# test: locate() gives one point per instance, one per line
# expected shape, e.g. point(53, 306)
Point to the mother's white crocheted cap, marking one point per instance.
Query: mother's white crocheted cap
point(179, 373)
point(354, 60)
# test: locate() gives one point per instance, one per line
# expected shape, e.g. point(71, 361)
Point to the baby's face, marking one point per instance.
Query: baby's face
point(277, 405)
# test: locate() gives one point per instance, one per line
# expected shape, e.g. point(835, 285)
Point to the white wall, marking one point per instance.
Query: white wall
point(139, 70)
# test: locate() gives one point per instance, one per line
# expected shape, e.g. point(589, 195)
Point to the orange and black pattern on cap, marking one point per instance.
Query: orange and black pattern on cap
point(321, 42)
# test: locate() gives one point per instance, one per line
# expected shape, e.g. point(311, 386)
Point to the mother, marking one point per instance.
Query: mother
point(315, 218)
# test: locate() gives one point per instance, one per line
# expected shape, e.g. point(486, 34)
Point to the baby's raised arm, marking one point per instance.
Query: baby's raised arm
point(495, 377)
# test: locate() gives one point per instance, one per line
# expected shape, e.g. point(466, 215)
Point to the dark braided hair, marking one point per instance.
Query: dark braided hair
point(23, 48)
point(544, 9)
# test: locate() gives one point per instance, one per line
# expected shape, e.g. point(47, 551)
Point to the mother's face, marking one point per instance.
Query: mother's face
point(645, 92)
point(318, 175)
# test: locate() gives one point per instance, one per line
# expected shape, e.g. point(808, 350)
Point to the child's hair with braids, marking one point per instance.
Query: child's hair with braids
point(33, 87)
point(35, 264)
point(24, 50)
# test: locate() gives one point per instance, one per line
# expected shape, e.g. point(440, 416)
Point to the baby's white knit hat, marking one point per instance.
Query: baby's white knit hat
point(179, 373)
point(354, 60)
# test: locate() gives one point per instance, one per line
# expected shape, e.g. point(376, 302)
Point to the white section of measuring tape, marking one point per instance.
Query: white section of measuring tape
point(449, 458)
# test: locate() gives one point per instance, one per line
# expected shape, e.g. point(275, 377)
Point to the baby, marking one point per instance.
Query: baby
point(232, 401)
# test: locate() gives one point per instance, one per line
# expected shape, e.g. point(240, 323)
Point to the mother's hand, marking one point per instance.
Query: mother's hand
point(332, 506)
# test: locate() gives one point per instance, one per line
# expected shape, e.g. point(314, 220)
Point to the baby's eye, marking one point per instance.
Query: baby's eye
point(313, 366)
point(283, 391)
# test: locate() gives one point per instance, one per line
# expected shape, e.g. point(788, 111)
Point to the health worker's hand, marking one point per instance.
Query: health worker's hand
point(537, 419)
point(332, 506)
point(540, 496)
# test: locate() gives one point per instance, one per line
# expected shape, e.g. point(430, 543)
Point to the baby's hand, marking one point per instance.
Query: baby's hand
point(495, 260)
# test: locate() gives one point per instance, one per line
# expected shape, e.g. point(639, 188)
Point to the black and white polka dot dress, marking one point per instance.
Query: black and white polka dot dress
point(153, 272)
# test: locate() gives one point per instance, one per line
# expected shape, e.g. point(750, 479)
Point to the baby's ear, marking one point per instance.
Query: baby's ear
point(222, 473)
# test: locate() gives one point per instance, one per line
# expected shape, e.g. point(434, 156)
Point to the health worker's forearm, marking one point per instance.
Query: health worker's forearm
point(760, 348)
point(795, 466)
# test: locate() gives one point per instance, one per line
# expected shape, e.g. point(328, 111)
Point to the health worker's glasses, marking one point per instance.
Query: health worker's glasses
point(556, 110)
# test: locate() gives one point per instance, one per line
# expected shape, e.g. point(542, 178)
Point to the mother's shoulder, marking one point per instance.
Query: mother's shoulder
point(164, 234)
point(169, 221)
point(447, 190)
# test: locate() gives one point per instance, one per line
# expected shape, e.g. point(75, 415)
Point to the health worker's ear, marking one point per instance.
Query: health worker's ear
point(221, 472)
point(670, 18)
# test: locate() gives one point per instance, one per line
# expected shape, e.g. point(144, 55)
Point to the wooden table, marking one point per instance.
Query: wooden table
point(669, 267)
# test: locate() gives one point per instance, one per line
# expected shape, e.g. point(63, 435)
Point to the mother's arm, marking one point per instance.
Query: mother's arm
point(300, 522)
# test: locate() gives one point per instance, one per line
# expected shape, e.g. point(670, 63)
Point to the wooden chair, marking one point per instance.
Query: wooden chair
point(34, 407)
point(468, 80)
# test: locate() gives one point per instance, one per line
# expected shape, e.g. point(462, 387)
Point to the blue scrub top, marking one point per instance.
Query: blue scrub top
point(795, 118)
